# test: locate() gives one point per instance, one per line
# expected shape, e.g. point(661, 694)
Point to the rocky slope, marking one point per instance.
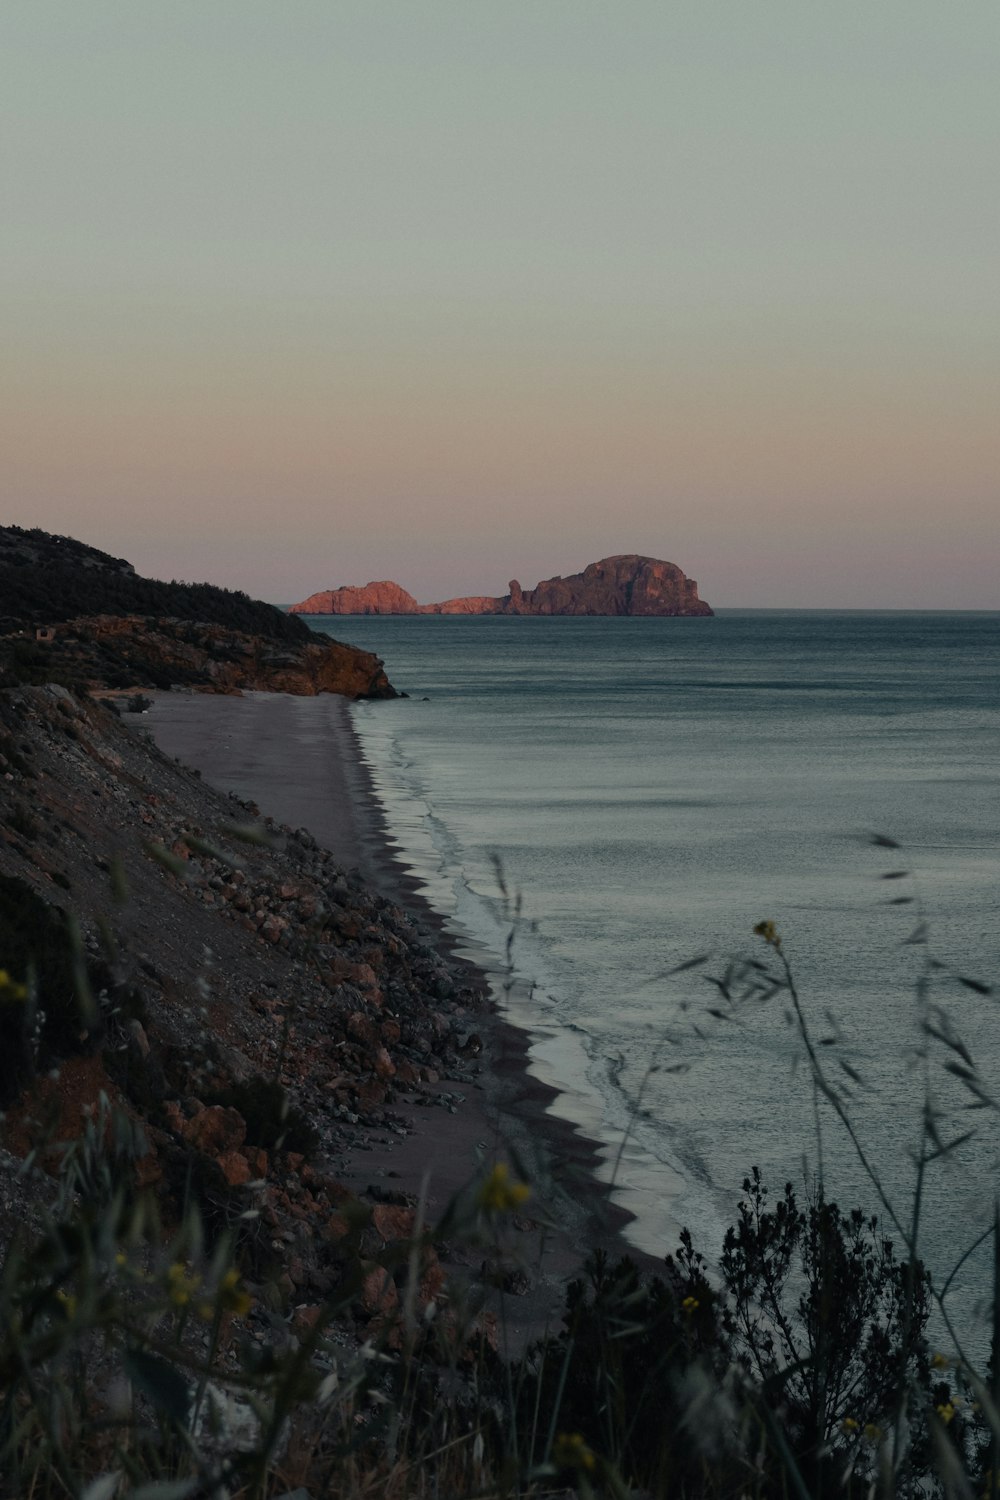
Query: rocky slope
point(125, 651)
point(623, 585)
point(225, 976)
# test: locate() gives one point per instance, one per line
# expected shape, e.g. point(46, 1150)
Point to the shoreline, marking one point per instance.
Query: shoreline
point(241, 746)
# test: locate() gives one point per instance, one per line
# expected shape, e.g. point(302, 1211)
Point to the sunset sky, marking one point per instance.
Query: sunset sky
point(309, 292)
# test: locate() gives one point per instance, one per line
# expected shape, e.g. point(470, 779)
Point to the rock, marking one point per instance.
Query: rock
point(361, 1028)
point(338, 1227)
point(393, 1223)
point(217, 1130)
point(236, 1064)
point(432, 1282)
point(273, 929)
point(384, 598)
point(623, 585)
point(371, 1095)
point(235, 1168)
point(378, 1294)
point(138, 1035)
point(383, 1064)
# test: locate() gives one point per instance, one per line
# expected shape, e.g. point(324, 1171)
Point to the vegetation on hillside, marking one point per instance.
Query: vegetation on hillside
point(46, 579)
point(797, 1364)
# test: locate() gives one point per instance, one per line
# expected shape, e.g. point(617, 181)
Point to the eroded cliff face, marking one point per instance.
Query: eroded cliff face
point(128, 650)
point(624, 585)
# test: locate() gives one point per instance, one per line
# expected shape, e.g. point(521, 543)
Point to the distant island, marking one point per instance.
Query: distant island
point(624, 585)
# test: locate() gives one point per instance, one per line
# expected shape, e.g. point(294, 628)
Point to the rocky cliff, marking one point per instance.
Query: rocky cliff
point(133, 652)
point(383, 598)
point(623, 585)
point(626, 585)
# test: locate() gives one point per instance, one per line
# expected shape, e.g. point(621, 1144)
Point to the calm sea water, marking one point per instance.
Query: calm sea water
point(652, 789)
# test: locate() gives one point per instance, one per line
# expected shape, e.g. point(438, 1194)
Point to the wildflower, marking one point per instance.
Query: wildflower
point(940, 1362)
point(67, 1302)
point(569, 1451)
point(769, 933)
point(181, 1286)
point(690, 1305)
point(946, 1411)
point(233, 1298)
point(873, 1432)
point(848, 1425)
point(11, 993)
point(498, 1193)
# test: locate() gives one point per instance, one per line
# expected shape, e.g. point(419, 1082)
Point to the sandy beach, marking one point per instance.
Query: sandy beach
point(298, 760)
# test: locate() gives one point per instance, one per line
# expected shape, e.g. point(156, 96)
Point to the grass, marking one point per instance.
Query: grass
point(133, 1366)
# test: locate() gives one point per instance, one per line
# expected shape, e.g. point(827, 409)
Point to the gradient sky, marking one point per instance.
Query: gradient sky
point(308, 292)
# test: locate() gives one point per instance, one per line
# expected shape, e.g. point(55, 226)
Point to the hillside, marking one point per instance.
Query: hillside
point(46, 579)
point(104, 626)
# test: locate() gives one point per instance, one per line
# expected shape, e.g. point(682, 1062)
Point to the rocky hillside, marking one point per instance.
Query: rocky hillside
point(78, 616)
point(45, 579)
point(258, 1012)
point(624, 585)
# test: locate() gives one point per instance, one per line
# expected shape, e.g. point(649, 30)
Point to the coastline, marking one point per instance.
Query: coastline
point(242, 746)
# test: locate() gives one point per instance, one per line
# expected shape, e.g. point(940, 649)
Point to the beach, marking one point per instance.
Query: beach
point(298, 761)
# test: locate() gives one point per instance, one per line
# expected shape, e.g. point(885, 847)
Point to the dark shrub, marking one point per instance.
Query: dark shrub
point(37, 952)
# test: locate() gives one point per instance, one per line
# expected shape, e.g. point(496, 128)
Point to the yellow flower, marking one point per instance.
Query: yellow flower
point(946, 1411)
point(498, 1193)
point(848, 1425)
point(181, 1286)
point(873, 1432)
point(233, 1298)
point(940, 1362)
point(690, 1304)
point(569, 1451)
point(67, 1301)
point(769, 933)
point(10, 991)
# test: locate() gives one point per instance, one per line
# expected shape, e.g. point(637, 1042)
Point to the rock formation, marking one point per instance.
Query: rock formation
point(623, 585)
point(128, 651)
point(383, 598)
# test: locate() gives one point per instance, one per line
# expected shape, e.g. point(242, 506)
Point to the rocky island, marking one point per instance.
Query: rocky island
point(622, 585)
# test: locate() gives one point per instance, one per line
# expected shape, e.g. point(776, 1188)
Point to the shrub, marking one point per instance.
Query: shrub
point(41, 1015)
point(826, 1321)
point(618, 1371)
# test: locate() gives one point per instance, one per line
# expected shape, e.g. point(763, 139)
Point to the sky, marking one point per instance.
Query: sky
point(300, 293)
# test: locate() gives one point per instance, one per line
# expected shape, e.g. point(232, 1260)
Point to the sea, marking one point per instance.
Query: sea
point(607, 808)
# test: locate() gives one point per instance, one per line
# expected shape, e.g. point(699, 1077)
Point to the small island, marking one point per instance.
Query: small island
point(622, 585)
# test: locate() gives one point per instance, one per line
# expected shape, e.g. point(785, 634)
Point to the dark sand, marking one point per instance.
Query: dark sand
point(242, 745)
point(299, 761)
